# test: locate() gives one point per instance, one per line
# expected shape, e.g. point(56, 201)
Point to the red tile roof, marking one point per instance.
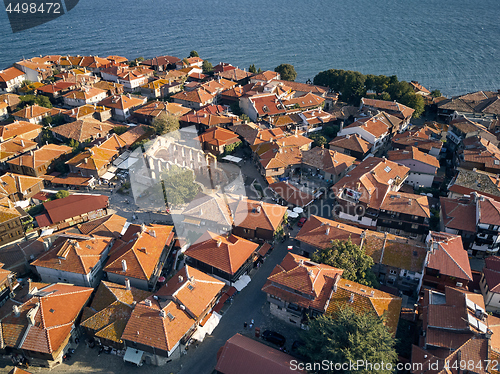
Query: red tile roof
point(326, 160)
point(141, 247)
point(193, 289)
point(393, 106)
point(83, 130)
point(372, 178)
point(111, 308)
point(298, 280)
point(243, 355)
point(352, 142)
point(9, 74)
point(11, 184)
point(253, 214)
point(44, 155)
point(218, 136)
point(449, 256)
point(491, 273)
point(319, 232)
point(267, 105)
point(109, 226)
point(406, 203)
point(227, 254)
point(458, 214)
point(54, 309)
point(19, 129)
point(122, 102)
point(412, 153)
point(74, 205)
point(74, 255)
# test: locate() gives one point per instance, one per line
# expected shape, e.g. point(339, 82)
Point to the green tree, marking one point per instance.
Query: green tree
point(118, 130)
point(165, 123)
point(193, 53)
point(436, 93)
point(252, 69)
point(346, 255)
point(74, 144)
point(62, 194)
point(319, 140)
point(26, 100)
point(43, 101)
point(207, 67)
point(178, 185)
point(286, 71)
point(414, 101)
point(349, 336)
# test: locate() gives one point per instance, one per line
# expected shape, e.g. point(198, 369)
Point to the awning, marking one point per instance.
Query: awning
point(112, 169)
point(207, 328)
point(108, 176)
point(133, 355)
point(242, 282)
point(298, 209)
point(234, 159)
point(293, 215)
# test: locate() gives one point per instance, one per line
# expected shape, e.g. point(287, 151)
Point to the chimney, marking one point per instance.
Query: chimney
point(127, 283)
point(181, 279)
point(16, 310)
point(162, 313)
point(124, 266)
point(258, 209)
point(219, 242)
point(148, 302)
point(336, 282)
point(351, 299)
point(327, 231)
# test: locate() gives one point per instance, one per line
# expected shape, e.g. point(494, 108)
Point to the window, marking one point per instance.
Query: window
point(414, 226)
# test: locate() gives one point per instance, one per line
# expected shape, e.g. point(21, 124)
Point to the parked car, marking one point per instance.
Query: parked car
point(274, 337)
point(302, 221)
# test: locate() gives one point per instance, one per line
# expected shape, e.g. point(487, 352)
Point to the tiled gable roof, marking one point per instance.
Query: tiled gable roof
point(83, 130)
point(122, 102)
point(109, 226)
point(298, 280)
point(234, 74)
point(141, 248)
point(74, 205)
point(155, 108)
point(9, 74)
point(372, 178)
point(228, 256)
point(253, 214)
point(11, 184)
point(403, 110)
point(193, 289)
point(406, 203)
point(449, 256)
point(111, 308)
point(199, 95)
point(412, 153)
point(309, 100)
point(84, 93)
point(74, 255)
point(319, 232)
point(41, 156)
point(352, 142)
point(219, 136)
point(18, 128)
point(54, 309)
point(327, 160)
point(458, 214)
point(365, 299)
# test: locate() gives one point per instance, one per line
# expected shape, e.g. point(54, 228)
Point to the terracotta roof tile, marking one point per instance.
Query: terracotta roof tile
point(54, 309)
point(218, 136)
point(109, 226)
point(20, 129)
point(450, 257)
point(352, 142)
point(256, 214)
point(327, 160)
point(412, 204)
point(83, 130)
point(292, 194)
point(365, 299)
point(228, 256)
point(9, 74)
point(458, 214)
point(413, 154)
point(393, 106)
point(44, 155)
point(140, 249)
point(122, 102)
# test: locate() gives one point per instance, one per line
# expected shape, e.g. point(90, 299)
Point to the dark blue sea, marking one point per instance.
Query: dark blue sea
point(451, 45)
